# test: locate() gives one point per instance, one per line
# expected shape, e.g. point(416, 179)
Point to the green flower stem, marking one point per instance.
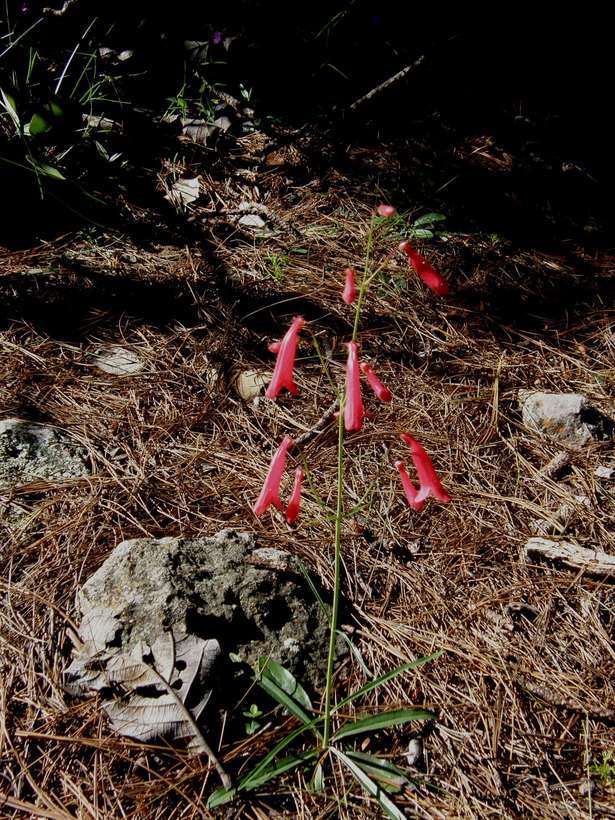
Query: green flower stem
point(365, 280)
point(339, 517)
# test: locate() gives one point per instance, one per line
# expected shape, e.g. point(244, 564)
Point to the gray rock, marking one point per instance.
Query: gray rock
point(35, 452)
point(118, 361)
point(252, 601)
point(252, 221)
point(561, 416)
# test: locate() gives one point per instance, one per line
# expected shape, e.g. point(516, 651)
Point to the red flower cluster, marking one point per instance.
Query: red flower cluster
point(270, 494)
point(354, 413)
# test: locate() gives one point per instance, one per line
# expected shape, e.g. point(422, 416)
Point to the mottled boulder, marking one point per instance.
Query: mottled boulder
point(36, 452)
point(253, 601)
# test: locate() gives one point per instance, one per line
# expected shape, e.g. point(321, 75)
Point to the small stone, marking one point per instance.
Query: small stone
point(36, 452)
point(252, 221)
point(250, 384)
point(184, 191)
point(604, 472)
point(562, 416)
point(414, 752)
point(223, 123)
point(118, 361)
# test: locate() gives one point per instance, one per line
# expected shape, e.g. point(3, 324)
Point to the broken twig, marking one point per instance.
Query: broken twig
point(571, 555)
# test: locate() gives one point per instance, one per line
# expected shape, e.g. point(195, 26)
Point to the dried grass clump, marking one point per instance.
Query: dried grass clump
point(524, 689)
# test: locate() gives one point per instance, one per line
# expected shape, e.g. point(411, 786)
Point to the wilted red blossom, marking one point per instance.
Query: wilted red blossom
point(426, 272)
point(292, 511)
point(286, 350)
point(381, 392)
point(350, 291)
point(429, 481)
point(270, 494)
point(409, 488)
point(353, 411)
point(386, 210)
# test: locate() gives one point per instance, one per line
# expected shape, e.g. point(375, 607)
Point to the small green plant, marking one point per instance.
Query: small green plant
point(253, 724)
point(604, 768)
point(177, 105)
point(424, 227)
point(277, 265)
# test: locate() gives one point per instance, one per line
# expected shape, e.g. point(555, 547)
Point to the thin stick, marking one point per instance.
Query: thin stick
point(387, 83)
point(226, 780)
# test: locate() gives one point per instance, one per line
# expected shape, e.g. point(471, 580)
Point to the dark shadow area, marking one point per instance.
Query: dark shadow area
point(503, 125)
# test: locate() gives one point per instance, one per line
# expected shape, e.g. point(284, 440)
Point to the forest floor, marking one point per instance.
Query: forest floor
point(524, 690)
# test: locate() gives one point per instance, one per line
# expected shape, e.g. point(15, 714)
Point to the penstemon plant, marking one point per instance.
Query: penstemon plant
point(329, 729)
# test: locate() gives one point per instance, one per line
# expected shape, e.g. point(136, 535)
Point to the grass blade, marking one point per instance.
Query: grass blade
point(387, 805)
point(222, 796)
point(373, 684)
point(264, 764)
point(391, 776)
point(372, 723)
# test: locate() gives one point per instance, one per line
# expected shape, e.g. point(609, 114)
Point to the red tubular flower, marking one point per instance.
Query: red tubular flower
point(292, 511)
point(429, 481)
point(381, 392)
point(286, 350)
point(349, 293)
point(386, 210)
point(426, 272)
point(270, 494)
point(409, 488)
point(353, 410)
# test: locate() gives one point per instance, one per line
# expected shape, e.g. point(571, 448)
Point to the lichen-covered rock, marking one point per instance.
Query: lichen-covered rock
point(562, 416)
point(35, 452)
point(252, 601)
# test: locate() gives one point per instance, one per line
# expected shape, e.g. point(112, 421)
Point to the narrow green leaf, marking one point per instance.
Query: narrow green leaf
point(421, 233)
point(326, 609)
point(281, 766)
point(317, 784)
point(428, 219)
point(390, 775)
point(264, 764)
point(8, 103)
point(220, 797)
point(387, 805)
point(282, 697)
point(372, 723)
point(373, 684)
point(49, 171)
point(285, 680)
point(354, 649)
